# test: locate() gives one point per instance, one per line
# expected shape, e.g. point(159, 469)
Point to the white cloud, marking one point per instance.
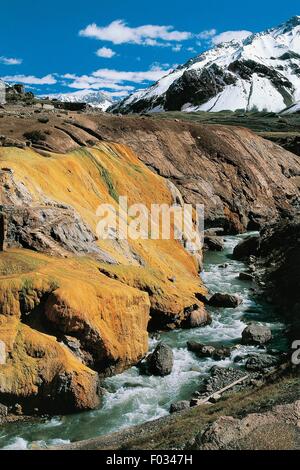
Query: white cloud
point(118, 32)
point(105, 52)
point(207, 34)
point(10, 61)
point(30, 79)
point(177, 48)
point(119, 83)
point(228, 36)
point(151, 75)
point(91, 82)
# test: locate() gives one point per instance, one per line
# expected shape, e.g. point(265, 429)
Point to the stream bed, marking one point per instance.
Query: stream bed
point(132, 398)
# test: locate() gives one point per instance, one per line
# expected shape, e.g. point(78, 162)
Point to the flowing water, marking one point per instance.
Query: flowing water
point(132, 398)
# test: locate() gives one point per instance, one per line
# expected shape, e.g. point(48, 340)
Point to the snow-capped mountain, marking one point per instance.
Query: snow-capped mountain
point(262, 72)
point(295, 108)
point(96, 99)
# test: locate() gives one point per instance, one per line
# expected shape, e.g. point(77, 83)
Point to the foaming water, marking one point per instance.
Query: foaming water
point(132, 398)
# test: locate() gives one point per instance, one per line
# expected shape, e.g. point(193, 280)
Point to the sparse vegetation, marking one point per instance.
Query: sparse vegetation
point(256, 121)
point(15, 263)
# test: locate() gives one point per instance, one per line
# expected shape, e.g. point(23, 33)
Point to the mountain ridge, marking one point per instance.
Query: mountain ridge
point(262, 72)
point(94, 98)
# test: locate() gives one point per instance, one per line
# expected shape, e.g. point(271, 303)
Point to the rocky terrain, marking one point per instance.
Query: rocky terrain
point(75, 309)
point(280, 128)
point(259, 73)
point(243, 180)
point(274, 259)
point(266, 418)
point(255, 431)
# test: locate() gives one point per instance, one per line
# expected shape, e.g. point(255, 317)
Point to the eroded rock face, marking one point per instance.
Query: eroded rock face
point(243, 180)
point(83, 303)
point(52, 229)
point(179, 406)
point(107, 321)
point(231, 171)
point(57, 381)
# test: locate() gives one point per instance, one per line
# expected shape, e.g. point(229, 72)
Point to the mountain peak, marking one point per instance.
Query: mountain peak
point(94, 98)
point(288, 25)
point(260, 73)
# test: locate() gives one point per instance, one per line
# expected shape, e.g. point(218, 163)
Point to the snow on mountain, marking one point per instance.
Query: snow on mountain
point(96, 99)
point(261, 72)
point(295, 108)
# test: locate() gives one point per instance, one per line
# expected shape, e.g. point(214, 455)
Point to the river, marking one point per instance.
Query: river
point(132, 398)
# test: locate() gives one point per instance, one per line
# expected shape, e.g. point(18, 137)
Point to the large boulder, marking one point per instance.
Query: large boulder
point(203, 350)
point(196, 316)
point(261, 362)
point(225, 300)
point(273, 430)
point(160, 362)
point(256, 334)
point(247, 247)
point(246, 277)
point(213, 243)
point(179, 406)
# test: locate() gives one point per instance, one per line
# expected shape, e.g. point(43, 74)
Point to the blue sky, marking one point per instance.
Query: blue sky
point(118, 46)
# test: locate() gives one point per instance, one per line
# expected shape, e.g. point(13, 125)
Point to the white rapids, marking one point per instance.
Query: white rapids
point(132, 398)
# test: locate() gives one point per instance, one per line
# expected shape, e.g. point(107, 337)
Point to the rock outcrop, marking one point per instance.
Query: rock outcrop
point(276, 429)
point(206, 350)
point(261, 362)
point(245, 248)
point(277, 269)
point(213, 243)
point(179, 406)
point(75, 307)
point(243, 180)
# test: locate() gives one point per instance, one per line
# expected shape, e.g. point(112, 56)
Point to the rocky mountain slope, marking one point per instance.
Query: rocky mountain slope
point(242, 179)
point(295, 108)
point(96, 99)
point(262, 72)
point(73, 306)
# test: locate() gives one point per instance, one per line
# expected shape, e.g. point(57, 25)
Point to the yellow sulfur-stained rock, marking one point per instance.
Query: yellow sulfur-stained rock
point(72, 306)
